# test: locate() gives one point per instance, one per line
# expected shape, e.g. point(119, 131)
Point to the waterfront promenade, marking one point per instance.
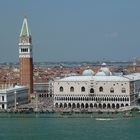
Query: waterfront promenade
point(46, 105)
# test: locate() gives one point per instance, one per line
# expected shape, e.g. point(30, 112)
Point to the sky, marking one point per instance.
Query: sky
point(72, 30)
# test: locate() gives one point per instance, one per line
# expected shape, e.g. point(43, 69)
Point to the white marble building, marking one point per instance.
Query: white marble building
point(13, 96)
point(101, 90)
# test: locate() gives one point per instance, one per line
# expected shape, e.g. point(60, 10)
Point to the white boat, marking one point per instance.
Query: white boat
point(104, 119)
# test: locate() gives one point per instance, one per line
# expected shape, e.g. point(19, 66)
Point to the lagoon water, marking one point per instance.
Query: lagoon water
point(47, 128)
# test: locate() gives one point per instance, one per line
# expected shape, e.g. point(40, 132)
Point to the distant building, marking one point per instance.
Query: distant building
point(43, 89)
point(102, 90)
point(13, 96)
point(26, 57)
point(134, 67)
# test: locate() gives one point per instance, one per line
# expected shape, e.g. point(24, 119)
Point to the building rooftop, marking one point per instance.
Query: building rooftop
point(133, 76)
point(9, 89)
point(95, 78)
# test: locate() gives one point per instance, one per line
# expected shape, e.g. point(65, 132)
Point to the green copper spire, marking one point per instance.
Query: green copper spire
point(25, 29)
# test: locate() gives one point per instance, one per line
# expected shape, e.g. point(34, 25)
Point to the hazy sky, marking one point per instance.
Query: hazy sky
point(72, 30)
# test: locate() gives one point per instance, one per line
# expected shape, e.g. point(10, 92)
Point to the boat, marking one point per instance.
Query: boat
point(104, 119)
point(128, 114)
point(66, 113)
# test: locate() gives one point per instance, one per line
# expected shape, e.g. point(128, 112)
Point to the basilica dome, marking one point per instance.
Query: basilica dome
point(88, 72)
point(105, 69)
point(103, 64)
point(100, 73)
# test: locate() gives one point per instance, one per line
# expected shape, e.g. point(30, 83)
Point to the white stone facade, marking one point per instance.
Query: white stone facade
point(100, 92)
point(13, 96)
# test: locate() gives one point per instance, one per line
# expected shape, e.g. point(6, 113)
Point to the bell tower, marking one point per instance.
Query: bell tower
point(26, 57)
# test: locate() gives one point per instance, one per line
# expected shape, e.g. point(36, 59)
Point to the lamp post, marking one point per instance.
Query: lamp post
point(36, 102)
point(15, 93)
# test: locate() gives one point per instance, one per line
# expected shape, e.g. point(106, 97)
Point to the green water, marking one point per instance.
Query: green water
point(44, 128)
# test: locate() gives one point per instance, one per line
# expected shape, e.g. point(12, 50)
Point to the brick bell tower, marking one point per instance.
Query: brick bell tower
point(26, 57)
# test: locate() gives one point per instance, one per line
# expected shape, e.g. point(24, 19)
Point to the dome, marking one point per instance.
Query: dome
point(103, 64)
point(88, 72)
point(111, 73)
point(100, 73)
point(105, 70)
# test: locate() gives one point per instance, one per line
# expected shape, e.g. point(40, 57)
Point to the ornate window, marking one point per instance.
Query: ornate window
point(82, 89)
point(91, 90)
point(111, 90)
point(61, 89)
point(71, 89)
point(101, 89)
point(123, 90)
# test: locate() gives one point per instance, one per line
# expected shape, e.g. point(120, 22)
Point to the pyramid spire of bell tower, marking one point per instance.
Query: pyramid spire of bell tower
point(25, 29)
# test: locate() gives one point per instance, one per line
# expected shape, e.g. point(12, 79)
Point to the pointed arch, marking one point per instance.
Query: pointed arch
point(61, 89)
point(69, 105)
point(104, 105)
point(117, 106)
point(86, 105)
point(72, 89)
point(61, 105)
point(100, 89)
point(83, 89)
point(113, 106)
point(82, 105)
point(91, 90)
point(73, 105)
point(95, 105)
point(65, 105)
point(91, 105)
point(108, 106)
point(111, 90)
point(56, 105)
point(78, 105)
point(100, 105)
